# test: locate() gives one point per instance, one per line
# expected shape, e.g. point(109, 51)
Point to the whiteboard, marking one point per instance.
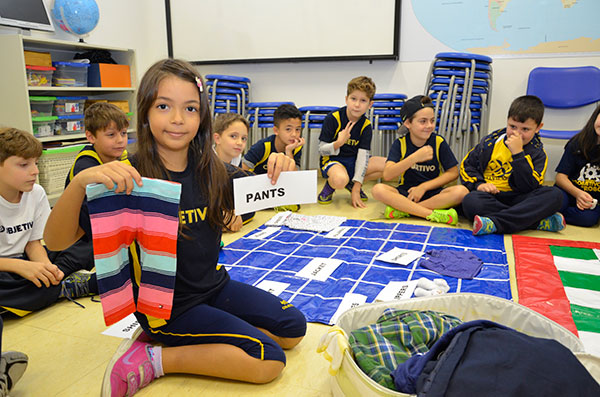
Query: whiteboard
point(231, 31)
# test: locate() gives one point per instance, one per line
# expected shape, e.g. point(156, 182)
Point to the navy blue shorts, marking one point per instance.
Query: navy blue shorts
point(231, 316)
point(428, 194)
point(348, 162)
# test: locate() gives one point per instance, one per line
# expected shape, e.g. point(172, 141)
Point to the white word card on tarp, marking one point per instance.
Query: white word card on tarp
point(319, 268)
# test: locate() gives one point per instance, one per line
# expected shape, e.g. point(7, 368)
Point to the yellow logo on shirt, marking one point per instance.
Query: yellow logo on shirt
point(192, 215)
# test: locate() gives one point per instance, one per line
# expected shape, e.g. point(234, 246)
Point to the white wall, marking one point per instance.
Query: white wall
point(140, 24)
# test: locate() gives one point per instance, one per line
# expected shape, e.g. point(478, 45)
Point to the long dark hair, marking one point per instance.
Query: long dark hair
point(211, 175)
point(587, 139)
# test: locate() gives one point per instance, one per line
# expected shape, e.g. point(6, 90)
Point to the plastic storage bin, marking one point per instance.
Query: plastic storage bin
point(41, 106)
point(54, 165)
point(70, 74)
point(39, 76)
point(69, 105)
point(43, 126)
point(69, 124)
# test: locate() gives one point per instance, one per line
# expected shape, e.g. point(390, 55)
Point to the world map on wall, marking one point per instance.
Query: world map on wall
point(512, 27)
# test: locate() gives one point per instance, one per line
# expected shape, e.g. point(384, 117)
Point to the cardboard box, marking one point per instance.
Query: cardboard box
point(109, 75)
point(90, 102)
point(123, 105)
point(38, 58)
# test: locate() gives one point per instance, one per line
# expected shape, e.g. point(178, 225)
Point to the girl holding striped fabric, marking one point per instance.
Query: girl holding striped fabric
point(217, 326)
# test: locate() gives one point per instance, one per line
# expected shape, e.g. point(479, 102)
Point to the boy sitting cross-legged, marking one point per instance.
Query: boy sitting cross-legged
point(504, 174)
point(424, 163)
point(31, 278)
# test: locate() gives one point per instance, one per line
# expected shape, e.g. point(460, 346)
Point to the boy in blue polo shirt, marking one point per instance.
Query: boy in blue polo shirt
point(345, 145)
point(286, 138)
point(424, 164)
point(106, 129)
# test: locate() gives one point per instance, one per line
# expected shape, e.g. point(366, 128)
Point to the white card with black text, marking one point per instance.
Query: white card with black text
point(254, 193)
point(319, 268)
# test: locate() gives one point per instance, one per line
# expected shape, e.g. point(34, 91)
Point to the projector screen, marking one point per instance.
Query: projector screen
point(236, 31)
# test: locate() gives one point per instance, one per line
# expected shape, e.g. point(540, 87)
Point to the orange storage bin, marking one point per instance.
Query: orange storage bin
point(109, 75)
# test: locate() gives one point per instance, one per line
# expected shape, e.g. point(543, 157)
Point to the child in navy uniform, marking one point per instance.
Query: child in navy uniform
point(218, 327)
point(30, 277)
point(504, 174)
point(578, 175)
point(345, 145)
point(286, 138)
point(425, 163)
point(106, 130)
point(230, 137)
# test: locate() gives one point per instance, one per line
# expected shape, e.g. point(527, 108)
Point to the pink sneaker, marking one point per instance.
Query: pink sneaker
point(129, 369)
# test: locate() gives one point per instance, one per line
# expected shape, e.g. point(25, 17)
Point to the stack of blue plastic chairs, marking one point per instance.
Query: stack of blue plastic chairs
point(385, 117)
point(228, 94)
point(460, 85)
point(260, 117)
point(312, 120)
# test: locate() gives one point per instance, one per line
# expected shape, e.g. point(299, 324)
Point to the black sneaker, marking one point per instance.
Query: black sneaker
point(76, 285)
point(363, 195)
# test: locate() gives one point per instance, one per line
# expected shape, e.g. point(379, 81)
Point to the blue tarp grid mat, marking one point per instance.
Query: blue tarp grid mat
point(279, 256)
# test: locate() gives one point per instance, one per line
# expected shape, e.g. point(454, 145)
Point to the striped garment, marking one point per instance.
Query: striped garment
point(149, 215)
point(398, 335)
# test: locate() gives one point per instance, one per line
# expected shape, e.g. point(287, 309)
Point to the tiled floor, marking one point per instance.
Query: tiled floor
point(68, 354)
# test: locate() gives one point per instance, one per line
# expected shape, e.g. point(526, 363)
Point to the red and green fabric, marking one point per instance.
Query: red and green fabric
point(561, 280)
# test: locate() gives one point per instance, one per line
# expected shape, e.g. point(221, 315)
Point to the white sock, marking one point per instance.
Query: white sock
point(426, 283)
point(441, 284)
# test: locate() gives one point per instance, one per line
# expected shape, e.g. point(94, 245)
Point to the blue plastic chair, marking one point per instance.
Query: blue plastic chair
point(455, 82)
point(564, 88)
point(238, 86)
point(312, 119)
point(258, 110)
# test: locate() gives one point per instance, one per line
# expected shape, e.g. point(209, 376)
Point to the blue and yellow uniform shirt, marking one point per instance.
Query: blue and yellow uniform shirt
point(443, 159)
point(360, 136)
point(490, 161)
point(582, 173)
point(256, 158)
point(87, 158)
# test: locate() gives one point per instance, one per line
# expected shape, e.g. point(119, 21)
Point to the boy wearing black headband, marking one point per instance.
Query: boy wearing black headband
point(345, 145)
point(424, 163)
point(504, 174)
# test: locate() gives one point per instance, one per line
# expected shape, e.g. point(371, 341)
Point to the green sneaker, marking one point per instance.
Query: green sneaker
point(483, 225)
point(553, 223)
point(449, 216)
point(283, 208)
point(76, 285)
point(363, 195)
point(392, 213)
